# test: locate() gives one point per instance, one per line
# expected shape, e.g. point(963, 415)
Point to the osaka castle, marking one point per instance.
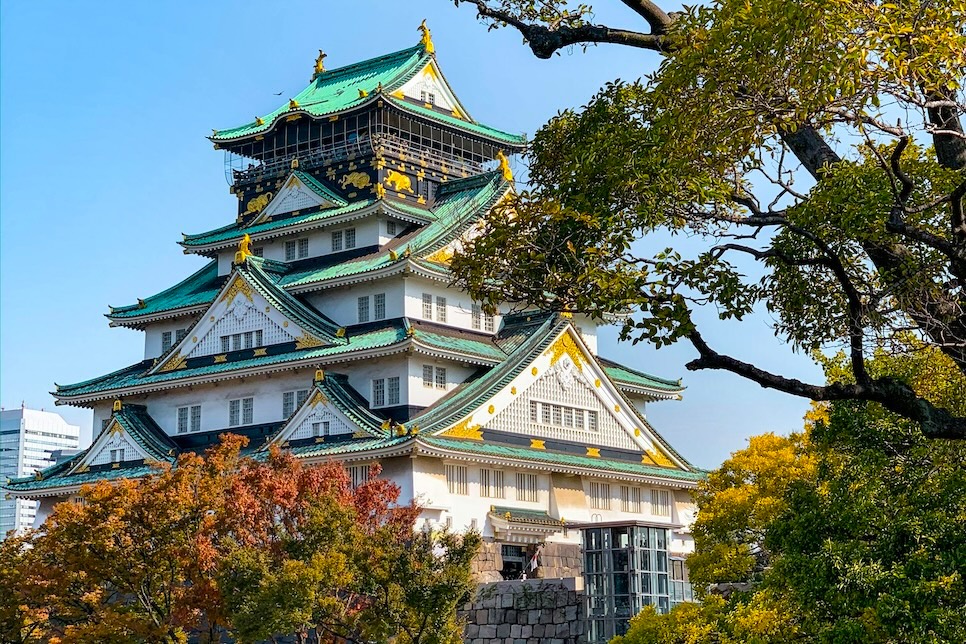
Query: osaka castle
point(325, 322)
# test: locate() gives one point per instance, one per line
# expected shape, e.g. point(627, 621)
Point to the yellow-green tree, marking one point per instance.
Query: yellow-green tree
point(862, 527)
point(816, 149)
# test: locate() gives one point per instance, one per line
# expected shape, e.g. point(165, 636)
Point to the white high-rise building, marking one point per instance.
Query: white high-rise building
point(28, 440)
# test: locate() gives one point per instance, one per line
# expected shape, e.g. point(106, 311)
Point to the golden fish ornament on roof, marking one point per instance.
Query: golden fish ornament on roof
point(427, 39)
point(319, 65)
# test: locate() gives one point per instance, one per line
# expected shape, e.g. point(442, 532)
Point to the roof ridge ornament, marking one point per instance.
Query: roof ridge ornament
point(244, 250)
point(293, 104)
point(505, 166)
point(427, 39)
point(319, 65)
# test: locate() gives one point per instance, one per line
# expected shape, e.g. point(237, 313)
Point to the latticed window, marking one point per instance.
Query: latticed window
point(477, 317)
point(320, 429)
point(489, 322)
point(392, 390)
point(225, 343)
point(363, 307)
point(350, 238)
point(527, 489)
point(491, 484)
point(259, 335)
point(303, 248)
point(249, 339)
point(427, 306)
point(296, 249)
point(457, 480)
point(660, 503)
point(630, 499)
point(234, 412)
point(599, 495)
point(358, 474)
point(379, 392)
point(165, 342)
point(379, 306)
point(336, 240)
point(248, 411)
point(391, 228)
point(427, 375)
point(241, 411)
point(180, 334)
point(441, 377)
point(440, 309)
point(563, 416)
point(117, 455)
point(292, 400)
point(182, 420)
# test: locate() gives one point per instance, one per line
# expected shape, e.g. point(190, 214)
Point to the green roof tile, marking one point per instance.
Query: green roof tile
point(625, 375)
point(544, 456)
point(31, 484)
point(514, 140)
point(198, 289)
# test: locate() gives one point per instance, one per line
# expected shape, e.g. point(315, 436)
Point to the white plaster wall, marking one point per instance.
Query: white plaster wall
point(342, 304)
point(400, 471)
point(587, 328)
point(213, 399)
point(362, 373)
point(429, 83)
point(459, 305)
point(423, 396)
point(152, 334)
point(615, 513)
point(369, 231)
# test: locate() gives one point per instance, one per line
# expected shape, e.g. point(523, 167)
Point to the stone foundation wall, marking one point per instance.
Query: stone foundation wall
point(560, 560)
point(488, 563)
point(537, 611)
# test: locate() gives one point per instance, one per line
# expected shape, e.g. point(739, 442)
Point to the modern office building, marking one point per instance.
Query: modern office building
point(30, 440)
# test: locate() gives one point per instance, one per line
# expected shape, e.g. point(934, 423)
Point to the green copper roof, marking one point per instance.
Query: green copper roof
point(335, 448)
point(142, 429)
point(338, 89)
point(198, 289)
point(627, 376)
point(514, 140)
point(319, 188)
point(543, 456)
point(364, 338)
point(55, 479)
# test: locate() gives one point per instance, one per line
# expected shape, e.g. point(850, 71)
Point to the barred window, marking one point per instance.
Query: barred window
point(427, 375)
point(427, 306)
point(358, 474)
point(165, 342)
point(292, 400)
point(303, 248)
point(196, 418)
point(599, 495)
point(379, 306)
point(350, 238)
point(489, 322)
point(248, 411)
point(527, 487)
point(391, 228)
point(440, 309)
point(234, 413)
point(258, 337)
point(392, 386)
point(336, 240)
point(291, 250)
point(180, 334)
point(241, 411)
point(562, 416)
point(660, 503)
point(379, 392)
point(225, 343)
point(320, 429)
point(630, 499)
point(477, 317)
point(182, 420)
point(456, 479)
point(491, 484)
point(249, 338)
point(441, 377)
point(363, 307)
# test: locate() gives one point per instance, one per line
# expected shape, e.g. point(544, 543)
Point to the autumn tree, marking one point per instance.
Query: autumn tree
point(816, 147)
point(862, 524)
point(223, 544)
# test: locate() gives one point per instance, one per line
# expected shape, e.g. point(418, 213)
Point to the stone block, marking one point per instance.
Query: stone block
point(481, 616)
point(515, 630)
point(570, 612)
point(471, 631)
point(538, 630)
point(510, 616)
point(533, 616)
point(526, 631)
point(487, 631)
point(503, 630)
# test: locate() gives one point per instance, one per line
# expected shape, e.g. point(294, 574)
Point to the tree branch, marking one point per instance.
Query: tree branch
point(892, 394)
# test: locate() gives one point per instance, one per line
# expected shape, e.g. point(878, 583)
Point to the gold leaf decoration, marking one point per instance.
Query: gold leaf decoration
point(593, 452)
point(464, 429)
point(177, 361)
point(565, 346)
point(659, 458)
point(238, 286)
point(442, 256)
point(536, 444)
point(306, 341)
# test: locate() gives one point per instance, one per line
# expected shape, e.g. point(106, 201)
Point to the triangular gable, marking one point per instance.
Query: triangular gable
point(330, 411)
point(566, 384)
point(123, 441)
point(240, 308)
point(299, 191)
point(430, 80)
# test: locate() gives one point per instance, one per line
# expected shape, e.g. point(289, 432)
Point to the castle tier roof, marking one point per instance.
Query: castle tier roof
point(338, 90)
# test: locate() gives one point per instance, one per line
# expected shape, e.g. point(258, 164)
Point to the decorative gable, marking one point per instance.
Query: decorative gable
point(296, 194)
point(239, 318)
point(114, 445)
point(429, 86)
point(317, 418)
point(564, 395)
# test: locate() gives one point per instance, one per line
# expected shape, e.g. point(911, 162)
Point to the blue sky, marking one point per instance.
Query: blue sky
point(103, 112)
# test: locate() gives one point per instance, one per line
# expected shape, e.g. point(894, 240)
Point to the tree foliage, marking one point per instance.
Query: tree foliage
point(815, 145)
point(863, 526)
point(223, 545)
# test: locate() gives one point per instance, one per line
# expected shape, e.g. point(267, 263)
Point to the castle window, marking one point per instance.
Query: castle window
point(336, 240)
point(189, 418)
point(562, 416)
point(165, 342)
point(427, 97)
point(363, 309)
point(180, 334)
point(488, 323)
point(259, 252)
point(225, 344)
point(358, 474)
point(292, 400)
point(391, 228)
point(457, 480)
point(441, 377)
point(440, 309)
point(241, 411)
point(630, 499)
point(379, 392)
point(350, 238)
point(481, 320)
point(427, 375)
point(427, 306)
point(599, 495)
point(660, 503)
point(527, 489)
point(117, 455)
point(491, 484)
point(296, 249)
point(379, 306)
point(392, 385)
point(320, 429)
